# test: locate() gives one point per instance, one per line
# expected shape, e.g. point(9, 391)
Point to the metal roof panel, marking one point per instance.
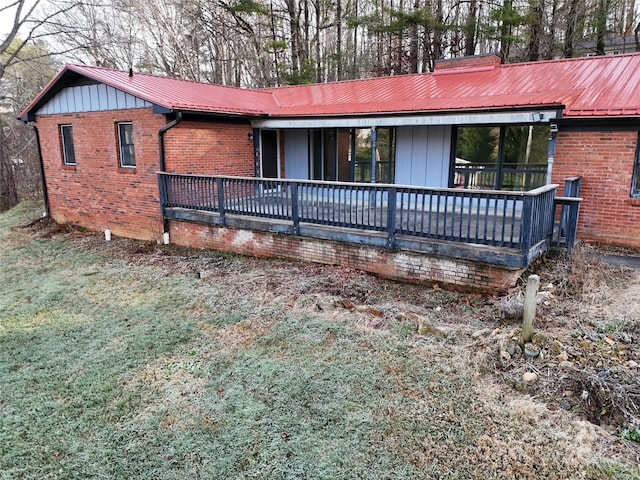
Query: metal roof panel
point(591, 86)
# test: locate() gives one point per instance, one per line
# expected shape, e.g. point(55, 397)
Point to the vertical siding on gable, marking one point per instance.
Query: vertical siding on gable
point(296, 154)
point(422, 155)
point(90, 98)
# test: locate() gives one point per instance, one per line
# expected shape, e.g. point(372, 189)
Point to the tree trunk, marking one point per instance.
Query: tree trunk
point(470, 28)
point(536, 13)
point(601, 25)
point(8, 191)
point(572, 19)
point(339, 39)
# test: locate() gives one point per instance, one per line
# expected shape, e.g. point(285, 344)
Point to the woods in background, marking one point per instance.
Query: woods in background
point(263, 43)
point(259, 43)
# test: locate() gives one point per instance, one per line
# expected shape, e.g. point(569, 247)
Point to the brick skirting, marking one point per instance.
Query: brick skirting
point(406, 266)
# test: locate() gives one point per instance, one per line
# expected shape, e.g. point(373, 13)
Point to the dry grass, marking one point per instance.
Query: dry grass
point(163, 362)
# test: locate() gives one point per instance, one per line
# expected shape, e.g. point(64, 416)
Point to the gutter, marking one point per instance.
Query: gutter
point(162, 155)
point(45, 191)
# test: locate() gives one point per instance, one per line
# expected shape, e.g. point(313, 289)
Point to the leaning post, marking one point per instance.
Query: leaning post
point(533, 282)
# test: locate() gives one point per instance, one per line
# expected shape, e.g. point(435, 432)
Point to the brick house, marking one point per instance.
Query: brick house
point(474, 142)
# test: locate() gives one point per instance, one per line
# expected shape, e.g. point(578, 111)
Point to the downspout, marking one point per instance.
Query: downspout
point(161, 151)
point(45, 191)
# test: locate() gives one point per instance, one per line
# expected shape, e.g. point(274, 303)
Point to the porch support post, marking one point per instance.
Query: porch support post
point(391, 217)
point(219, 188)
point(352, 167)
point(551, 151)
point(374, 149)
point(295, 215)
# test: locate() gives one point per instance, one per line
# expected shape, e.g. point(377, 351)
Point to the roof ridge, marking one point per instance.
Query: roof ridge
point(591, 58)
point(163, 77)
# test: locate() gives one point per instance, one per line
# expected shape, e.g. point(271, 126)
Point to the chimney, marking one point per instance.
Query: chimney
point(482, 60)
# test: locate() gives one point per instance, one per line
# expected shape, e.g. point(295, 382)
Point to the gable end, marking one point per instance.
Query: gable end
point(90, 98)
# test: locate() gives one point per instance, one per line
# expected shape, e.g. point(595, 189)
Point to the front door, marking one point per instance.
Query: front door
point(269, 152)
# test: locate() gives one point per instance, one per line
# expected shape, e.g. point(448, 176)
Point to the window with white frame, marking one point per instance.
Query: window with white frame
point(68, 151)
point(126, 145)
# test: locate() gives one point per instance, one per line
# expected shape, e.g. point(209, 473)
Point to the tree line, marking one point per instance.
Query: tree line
point(261, 43)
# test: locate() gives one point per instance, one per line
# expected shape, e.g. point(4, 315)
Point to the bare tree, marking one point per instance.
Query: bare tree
point(28, 26)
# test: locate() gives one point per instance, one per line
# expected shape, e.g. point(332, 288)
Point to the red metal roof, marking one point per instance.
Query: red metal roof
point(586, 87)
point(172, 93)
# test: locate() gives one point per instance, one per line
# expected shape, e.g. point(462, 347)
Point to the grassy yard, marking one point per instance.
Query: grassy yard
point(117, 360)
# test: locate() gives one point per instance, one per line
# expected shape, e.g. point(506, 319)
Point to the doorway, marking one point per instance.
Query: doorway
point(269, 154)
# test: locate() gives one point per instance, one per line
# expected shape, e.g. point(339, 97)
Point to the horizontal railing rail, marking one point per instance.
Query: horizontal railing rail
point(503, 219)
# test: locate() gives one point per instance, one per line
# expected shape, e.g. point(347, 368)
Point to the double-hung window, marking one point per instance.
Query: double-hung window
point(68, 152)
point(126, 145)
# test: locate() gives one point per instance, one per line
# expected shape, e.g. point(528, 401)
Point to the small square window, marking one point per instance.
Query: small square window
point(125, 140)
point(68, 152)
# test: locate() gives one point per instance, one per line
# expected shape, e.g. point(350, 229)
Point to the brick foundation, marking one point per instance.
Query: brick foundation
point(605, 161)
point(396, 265)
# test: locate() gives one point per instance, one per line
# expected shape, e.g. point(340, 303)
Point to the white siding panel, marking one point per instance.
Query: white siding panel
point(296, 154)
point(422, 155)
point(90, 98)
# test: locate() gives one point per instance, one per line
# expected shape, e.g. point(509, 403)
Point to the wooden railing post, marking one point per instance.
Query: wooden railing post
point(162, 189)
point(295, 215)
point(221, 209)
point(526, 223)
point(572, 225)
point(391, 217)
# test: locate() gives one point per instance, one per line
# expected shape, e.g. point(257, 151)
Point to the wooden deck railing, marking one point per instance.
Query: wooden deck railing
point(521, 220)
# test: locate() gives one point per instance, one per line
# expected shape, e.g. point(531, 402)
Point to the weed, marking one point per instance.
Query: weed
point(630, 432)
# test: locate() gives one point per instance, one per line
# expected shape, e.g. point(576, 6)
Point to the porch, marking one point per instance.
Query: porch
point(503, 228)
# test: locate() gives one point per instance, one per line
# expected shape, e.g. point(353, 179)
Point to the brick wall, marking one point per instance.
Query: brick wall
point(397, 265)
point(96, 192)
point(210, 148)
point(605, 161)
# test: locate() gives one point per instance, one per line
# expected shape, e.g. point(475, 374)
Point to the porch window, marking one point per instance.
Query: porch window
point(322, 144)
point(385, 155)
point(512, 157)
point(125, 141)
point(635, 182)
point(68, 151)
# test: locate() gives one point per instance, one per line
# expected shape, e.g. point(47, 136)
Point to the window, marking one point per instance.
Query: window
point(385, 155)
point(512, 157)
point(125, 140)
point(68, 152)
point(635, 182)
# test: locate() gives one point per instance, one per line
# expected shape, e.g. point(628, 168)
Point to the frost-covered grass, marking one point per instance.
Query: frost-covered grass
point(114, 370)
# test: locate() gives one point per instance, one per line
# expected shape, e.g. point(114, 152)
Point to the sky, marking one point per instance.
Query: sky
point(7, 16)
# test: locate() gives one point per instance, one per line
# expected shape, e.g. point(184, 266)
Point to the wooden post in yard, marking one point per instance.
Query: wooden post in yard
point(533, 282)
